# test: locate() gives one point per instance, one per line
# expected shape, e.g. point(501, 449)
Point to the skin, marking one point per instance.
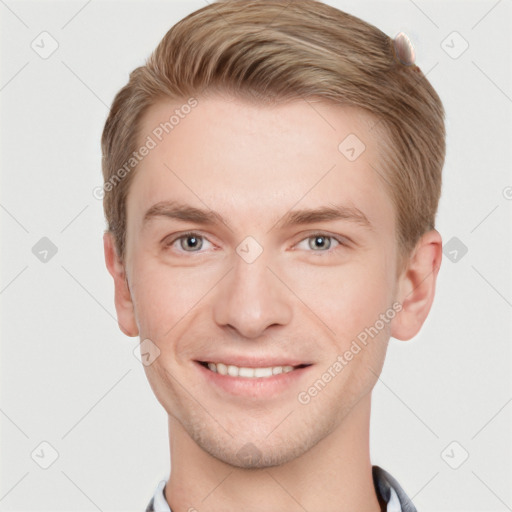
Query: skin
point(301, 298)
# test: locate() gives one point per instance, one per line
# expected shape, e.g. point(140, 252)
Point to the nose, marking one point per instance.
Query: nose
point(251, 298)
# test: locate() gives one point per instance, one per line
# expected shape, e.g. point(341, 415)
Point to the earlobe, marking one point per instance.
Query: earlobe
point(123, 299)
point(416, 286)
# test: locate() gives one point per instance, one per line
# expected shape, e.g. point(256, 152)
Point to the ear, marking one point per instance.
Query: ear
point(417, 285)
point(123, 298)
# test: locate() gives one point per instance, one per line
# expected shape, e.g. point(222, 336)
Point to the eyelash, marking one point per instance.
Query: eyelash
point(195, 234)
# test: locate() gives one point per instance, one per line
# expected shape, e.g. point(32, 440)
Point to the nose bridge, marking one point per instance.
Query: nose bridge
point(251, 298)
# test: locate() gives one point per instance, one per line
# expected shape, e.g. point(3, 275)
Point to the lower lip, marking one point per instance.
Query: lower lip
point(259, 387)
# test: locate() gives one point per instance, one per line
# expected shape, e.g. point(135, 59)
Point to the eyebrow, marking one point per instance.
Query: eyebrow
point(184, 212)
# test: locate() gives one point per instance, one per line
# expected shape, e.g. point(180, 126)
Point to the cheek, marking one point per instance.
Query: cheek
point(344, 298)
point(164, 295)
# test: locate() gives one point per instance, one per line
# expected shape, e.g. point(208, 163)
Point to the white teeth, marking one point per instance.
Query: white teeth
point(263, 372)
point(232, 370)
point(246, 372)
point(249, 373)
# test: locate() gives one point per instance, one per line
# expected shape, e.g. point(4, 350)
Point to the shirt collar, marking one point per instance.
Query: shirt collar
point(385, 485)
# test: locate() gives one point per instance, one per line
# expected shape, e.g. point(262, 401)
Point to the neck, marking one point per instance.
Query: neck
point(333, 476)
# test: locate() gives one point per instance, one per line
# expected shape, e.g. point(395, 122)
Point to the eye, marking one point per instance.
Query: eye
point(317, 242)
point(322, 242)
point(188, 242)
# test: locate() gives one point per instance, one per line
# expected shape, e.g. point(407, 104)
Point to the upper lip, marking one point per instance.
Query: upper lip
point(253, 362)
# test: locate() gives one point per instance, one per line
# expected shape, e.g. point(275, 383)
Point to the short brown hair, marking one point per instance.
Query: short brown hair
point(270, 50)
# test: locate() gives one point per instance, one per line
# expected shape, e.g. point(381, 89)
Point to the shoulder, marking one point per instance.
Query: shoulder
point(385, 484)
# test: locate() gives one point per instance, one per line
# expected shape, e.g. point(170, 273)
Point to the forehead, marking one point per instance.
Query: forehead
point(257, 160)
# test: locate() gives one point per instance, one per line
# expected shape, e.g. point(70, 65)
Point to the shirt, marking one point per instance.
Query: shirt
point(385, 486)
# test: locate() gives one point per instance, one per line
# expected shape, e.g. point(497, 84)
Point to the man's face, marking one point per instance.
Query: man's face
point(256, 291)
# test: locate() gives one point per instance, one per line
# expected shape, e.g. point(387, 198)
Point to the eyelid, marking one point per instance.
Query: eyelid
point(343, 242)
point(340, 238)
point(177, 236)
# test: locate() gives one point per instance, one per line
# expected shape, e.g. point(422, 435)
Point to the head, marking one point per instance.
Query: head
point(251, 111)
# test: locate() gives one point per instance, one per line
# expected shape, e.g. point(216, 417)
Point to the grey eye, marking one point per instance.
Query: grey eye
point(190, 242)
point(321, 240)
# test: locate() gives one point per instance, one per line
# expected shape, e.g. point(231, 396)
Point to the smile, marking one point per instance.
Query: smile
point(247, 372)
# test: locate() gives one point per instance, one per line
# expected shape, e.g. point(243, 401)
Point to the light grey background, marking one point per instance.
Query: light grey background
point(68, 375)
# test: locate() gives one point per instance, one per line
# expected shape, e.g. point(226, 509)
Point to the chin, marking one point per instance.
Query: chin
point(257, 452)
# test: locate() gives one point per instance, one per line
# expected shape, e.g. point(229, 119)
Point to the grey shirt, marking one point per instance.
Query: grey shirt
point(385, 486)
